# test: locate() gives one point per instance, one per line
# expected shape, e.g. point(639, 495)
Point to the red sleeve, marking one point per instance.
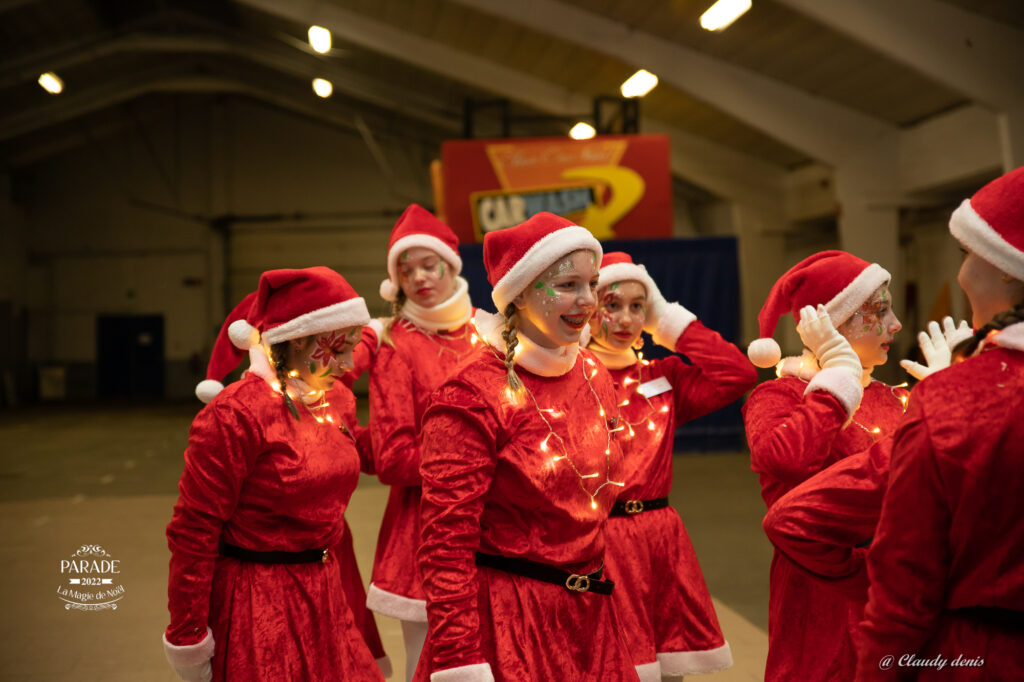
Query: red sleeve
point(223, 444)
point(458, 465)
point(396, 441)
point(720, 373)
point(908, 561)
point(790, 433)
point(346, 401)
point(824, 523)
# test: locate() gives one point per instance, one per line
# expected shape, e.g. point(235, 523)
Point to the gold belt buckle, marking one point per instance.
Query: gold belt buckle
point(578, 583)
point(324, 558)
point(634, 506)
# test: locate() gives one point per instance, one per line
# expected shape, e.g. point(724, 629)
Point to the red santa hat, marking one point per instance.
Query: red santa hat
point(418, 227)
point(515, 256)
point(289, 304)
point(618, 266)
point(838, 280)
point(991, 223)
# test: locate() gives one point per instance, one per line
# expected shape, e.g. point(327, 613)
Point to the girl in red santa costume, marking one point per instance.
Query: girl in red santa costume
point(823, 408)
point(947, 565)
point(661, 600)
point(254, 590)
point(521, 467)
point(429, 334)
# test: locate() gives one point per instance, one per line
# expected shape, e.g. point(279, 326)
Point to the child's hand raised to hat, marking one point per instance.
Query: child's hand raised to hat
point(937, 347)
point(828, 345)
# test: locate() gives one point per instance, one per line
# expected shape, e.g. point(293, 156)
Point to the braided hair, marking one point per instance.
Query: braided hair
point(968, 346)
point(279, 356)
point(396, 310)
point(511, 341)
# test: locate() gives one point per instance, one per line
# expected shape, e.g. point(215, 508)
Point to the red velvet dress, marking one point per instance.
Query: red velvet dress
point(257, 478)
point(792, 436)
point(489, 486)
point(661, 599)
point(951, 535)
point(401, 380)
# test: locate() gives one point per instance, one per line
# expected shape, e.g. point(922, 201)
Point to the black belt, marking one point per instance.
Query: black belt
point(574, 582)
point(993, 615)
point(630, 507)
point(306, 556)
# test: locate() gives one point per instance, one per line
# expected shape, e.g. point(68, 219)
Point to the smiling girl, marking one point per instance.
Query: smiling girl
point(521, 467)
point(428, 335)
point(823, 408)
point(661, 599)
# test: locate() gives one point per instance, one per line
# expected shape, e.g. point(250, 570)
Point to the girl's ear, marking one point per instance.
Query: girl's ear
point(520, 300)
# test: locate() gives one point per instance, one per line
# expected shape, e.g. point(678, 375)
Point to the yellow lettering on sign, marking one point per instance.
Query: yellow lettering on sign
point(627, 188)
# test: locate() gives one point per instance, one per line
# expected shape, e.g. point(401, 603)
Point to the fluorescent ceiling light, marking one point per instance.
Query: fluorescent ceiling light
point(322, 87)
point(320, 39)
point(582, 131)
point(51, 83)
point(639, 84)
point(723, 13)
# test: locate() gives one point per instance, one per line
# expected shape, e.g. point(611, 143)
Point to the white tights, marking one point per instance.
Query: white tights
point(414, 633)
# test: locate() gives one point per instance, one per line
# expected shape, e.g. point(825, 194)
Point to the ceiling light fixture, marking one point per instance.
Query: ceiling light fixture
point(582, 131)
point(721, 14)
point(51, 82)
point(639, 84)
point(320, 39)
point(322, 87)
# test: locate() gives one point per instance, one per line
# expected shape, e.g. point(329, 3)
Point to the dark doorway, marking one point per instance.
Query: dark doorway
point(130, 356)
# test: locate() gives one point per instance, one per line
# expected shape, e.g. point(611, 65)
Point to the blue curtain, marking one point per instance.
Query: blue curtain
point(703, 275)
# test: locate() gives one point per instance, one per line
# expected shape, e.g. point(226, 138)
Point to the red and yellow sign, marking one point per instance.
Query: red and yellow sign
point(618, 186)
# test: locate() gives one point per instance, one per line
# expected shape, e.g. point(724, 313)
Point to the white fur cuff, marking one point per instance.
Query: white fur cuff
point(696, 662)
point(671, 325)
point(840, 383)
point(649, 672)
point(189, 654)
point(478, 672)
point(395, 605)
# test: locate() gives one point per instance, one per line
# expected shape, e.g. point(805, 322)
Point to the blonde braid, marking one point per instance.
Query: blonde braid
point(396, 311)
point(279, 354)
point(511, 341)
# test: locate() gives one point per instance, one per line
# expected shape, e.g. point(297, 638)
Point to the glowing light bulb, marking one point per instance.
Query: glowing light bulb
point(582, 131)
point(624, 403)
point(474, 339)
point(628, 380)
point(320, 419)
point(51, 82)
point(593, 503)
point(319, 39)
point(650, 425)
point(631, 432)
point(607, 451)
point(322, 87)
point(664, 409)
point(544, 443)
point(590, 362)
point(276, 386)
point(293, 373)
point(330, 419)
point(594, 374)
point(601, 412)
point(876, 430)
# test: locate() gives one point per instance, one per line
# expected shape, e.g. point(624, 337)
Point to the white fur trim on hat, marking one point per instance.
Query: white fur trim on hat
point(207, 389)
point(626, 272)
point(673, 322)
point(856, 293)
point(350, 313)
point(243, 334)
point(845, 387)
point(477, 672)
point(395, 605)
point(764, 352)
point(541, 256)
point(411, 241)
point(696, 662)
point(971, 230)
point(181, 656)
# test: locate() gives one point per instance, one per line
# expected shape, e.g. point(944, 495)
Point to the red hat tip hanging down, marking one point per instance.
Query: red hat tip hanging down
point(991, 223)
point(418, 227)
point(289, 304)
point(838, 280)
point(515, 256)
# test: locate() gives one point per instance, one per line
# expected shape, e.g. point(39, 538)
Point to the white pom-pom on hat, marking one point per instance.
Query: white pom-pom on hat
point(764, 352)
point(243, 335)
point(388, 290)
point(207, 389)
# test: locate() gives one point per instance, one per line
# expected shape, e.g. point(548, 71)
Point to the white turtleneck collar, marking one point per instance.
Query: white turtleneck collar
point(545, 362)
point(448, 314)
point(611, 358)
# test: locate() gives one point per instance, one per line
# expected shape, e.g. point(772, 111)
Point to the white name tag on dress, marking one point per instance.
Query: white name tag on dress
point(654, 387)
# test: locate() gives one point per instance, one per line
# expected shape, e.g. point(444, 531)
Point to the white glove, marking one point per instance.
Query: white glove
point(828, 345)
point(937, 347)
point(656, 307)
point(201, 672)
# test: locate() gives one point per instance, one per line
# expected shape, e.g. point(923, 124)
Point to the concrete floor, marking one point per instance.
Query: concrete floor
point(76, 476)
